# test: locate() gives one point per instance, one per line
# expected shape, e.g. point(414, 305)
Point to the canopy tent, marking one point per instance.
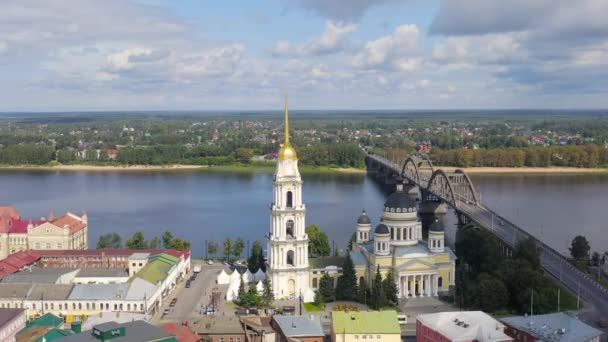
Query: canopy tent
point(223, 278)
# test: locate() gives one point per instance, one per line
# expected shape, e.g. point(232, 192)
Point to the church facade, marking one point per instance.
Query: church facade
point(422, 268)
point(287, 240)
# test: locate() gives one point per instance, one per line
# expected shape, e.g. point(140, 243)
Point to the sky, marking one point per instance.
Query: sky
point(72, 55)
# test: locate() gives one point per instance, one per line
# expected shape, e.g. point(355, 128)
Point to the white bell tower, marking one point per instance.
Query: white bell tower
point(287, 241)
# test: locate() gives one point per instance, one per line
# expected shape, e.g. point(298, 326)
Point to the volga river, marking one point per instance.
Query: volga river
point(211, 205)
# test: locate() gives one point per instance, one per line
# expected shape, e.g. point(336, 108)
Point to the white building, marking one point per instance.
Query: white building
point(287, 241)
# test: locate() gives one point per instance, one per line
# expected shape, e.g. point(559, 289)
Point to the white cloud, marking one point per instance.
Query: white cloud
point(330, 41)
point(398, 51)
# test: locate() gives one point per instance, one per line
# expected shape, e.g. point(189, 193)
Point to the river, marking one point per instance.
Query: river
point(204, 205)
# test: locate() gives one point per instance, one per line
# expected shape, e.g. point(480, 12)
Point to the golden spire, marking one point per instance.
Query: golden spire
point(286, 121)
point(287, 152)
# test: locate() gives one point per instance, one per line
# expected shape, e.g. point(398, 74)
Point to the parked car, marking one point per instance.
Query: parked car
point(173, 302)
point(166, 312)
point(402, 319)
point(209, 262)
point(188, 284)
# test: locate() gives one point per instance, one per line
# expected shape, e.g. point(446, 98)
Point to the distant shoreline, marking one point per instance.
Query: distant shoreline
point(303, 168)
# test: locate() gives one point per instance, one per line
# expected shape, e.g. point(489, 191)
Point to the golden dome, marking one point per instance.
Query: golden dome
point(287, 152)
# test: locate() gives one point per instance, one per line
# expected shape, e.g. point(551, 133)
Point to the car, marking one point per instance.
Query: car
point(172, 304)
point(166, 312)
point(188, 284)
point(402, 319)
point(209, 262)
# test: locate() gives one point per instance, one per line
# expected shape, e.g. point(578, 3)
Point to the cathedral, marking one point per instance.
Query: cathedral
point(422, 268)
point(287, 240)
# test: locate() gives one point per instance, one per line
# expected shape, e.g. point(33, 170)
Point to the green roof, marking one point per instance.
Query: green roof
point(45, 320)
point(365, 322)
point(55, 334)
point(322, 262)
point(157, 268)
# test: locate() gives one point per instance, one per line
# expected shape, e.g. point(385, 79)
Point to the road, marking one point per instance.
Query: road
point(552, 262)
point(190, 300)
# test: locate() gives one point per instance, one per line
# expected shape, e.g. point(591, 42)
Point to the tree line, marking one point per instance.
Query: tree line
point(139, 241)
point(589, 156)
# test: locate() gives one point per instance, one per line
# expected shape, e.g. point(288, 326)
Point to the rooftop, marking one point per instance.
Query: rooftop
point(50, 292)
point(365, 322)
point(465, 326)
point(38, 275)
point(136, 331)
point(102, 272)
point(212, 325)
point(7, 315)
point(139, 256)
point(99, 291)
point(157, 268)
point(14, 291)
point(299, 326)
point(183, 333)
point(554, 327)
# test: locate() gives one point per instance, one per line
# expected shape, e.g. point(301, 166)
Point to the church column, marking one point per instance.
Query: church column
point(407, 286)
point(428, 285)
point(414, 283)
point(422, 285)
point(436, 284)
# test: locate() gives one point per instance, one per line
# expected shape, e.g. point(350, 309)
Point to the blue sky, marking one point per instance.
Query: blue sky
point(328, 54)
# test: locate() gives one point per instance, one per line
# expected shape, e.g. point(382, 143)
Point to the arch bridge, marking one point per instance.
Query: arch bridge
point(455, 188)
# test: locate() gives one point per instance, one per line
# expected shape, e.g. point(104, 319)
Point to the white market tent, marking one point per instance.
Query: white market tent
point(223, 278)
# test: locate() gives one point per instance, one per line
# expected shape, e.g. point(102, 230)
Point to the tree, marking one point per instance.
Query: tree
point(326, 288)
point(378, 298)
point(580, 248)
point(492, 294)
point(256, 258)
point(346, 288)
point(252, 298)
point(244, 155)
point(212, 248)
point(227, 247)
point(363, 294)
point(528, 251)
point(595, 259)
point(267, 296)
point(137, 241)
point(180, 244)
point(238, 247)
point(110, 240)
point(154, 243)
point(318, 243)
point(318, 299)
point(167, 238)
point(390, 288)
point(352, 240)
point(241, 294)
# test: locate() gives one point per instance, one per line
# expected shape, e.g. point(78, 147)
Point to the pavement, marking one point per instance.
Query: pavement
point(190, 301)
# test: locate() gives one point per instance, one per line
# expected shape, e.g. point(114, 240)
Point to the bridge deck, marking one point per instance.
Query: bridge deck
point(553, 262)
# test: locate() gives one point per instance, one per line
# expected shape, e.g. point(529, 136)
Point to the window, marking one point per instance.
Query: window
point(314, 283)
point(141, 264)
point(440, 282)
point(289, 199)
point(289, 229)
point(290, 258)
point(238, 339)
point(221, 339)
point(79, 306)
point(378, 337)
point(364, 337)
point(392, 233)
point(231, 339)
point(356, 337)
point(48, 246)
point(52, 306)
point(134, 264)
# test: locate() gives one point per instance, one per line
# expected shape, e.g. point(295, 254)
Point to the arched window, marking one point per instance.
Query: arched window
point(392, 233)
point(434, 242)
point(289, 199)
point(289, 229)
point(290, 258)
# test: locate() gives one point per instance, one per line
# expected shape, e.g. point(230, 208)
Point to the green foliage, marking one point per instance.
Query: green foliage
point(167, 238)
point(346, 288)
point(492, 294)
point(212, 248)
point(244, 155)
point(352, 240)
point(154, 243)
point(363, 294)
point(480, 249)
point(378, 298)
point(227, 251)
point(267, 296)
point(180, 244)
point(26, 154)
point(110, 240)
point(137, 241)
point(527, 250)
point(389, 286)
point(256, 258)
point(312, 307)
point(580, 248)
point(250, 298)
point(318, 242)
point(238, 247)
point(242, 293)
point(326, 288)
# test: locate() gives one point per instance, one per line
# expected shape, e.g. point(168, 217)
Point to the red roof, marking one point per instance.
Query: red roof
point(8, 215)
point(110, 252)
point(16, 261)
point(183, 333)
point(11, 222)
point(20, 227)
point(71, 221)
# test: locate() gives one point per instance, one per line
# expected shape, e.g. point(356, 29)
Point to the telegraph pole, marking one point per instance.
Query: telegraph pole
point(532, 303)
point(558, 298)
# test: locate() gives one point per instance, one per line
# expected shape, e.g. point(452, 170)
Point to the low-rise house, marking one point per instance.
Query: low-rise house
point(219, 329)
point(11, 322)
point(258, 329)
point(136, 331)
point(559, 327)
point(298, 328)
point(381, 326)
point(461, 326)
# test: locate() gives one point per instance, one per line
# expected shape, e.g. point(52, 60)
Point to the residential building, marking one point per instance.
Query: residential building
point(11, 322)
point(362, 326)
point(136, 331)
point(557, 327)
point(181, 332)
point(219, 329)
point(461, 326)
point(68, 231)
point(258, 329)
point(300, 328)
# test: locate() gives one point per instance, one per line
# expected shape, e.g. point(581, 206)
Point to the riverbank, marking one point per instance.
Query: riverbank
point(269, 167)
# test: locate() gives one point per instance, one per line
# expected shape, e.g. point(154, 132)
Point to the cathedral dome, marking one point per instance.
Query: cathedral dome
point(400, 200)
point(381, 229)
point(364, 219)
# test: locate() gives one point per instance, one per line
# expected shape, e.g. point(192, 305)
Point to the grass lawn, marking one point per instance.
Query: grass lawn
point(310, 307)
